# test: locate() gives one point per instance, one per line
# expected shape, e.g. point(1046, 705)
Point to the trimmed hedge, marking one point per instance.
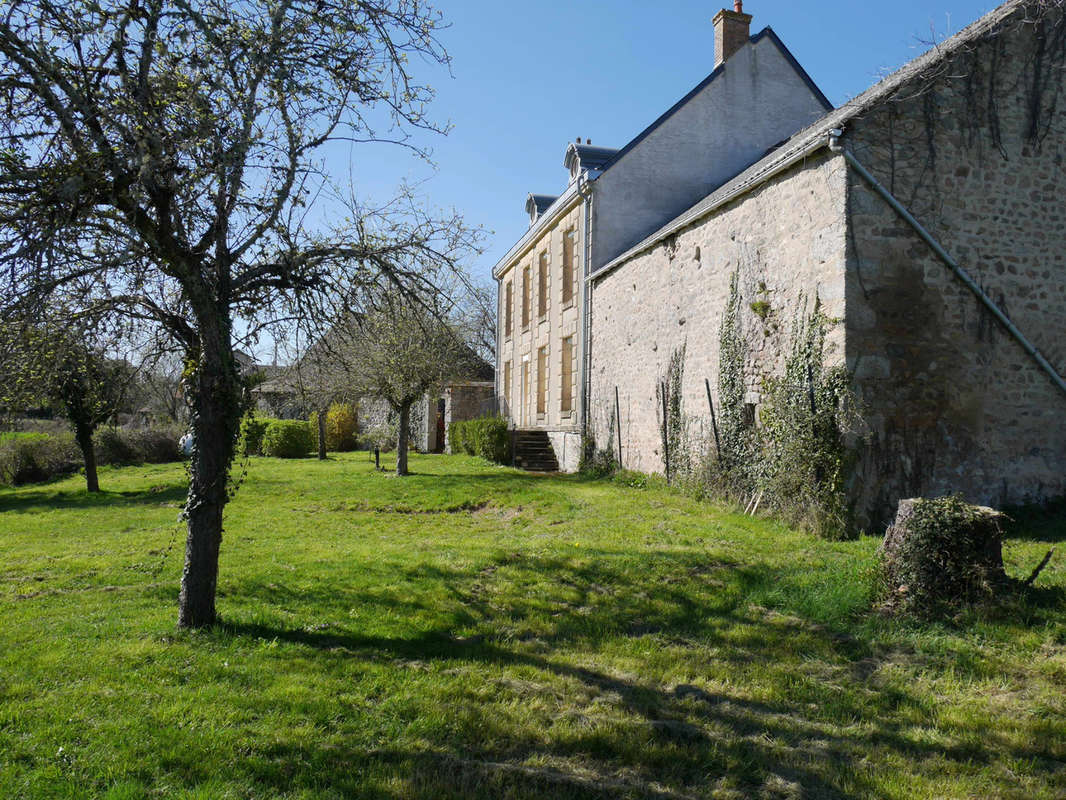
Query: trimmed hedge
point(250, 438)
point(485, 437)
point(288, 438)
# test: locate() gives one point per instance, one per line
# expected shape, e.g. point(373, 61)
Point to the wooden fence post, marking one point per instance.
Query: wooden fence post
point(714, 422)
point(666, 432)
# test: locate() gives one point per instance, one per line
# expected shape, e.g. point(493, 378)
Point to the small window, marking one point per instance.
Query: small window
point(566, 396)
point(508, 308)
point(542, 286)
point(525, 297)
point(542, 381)
point(749, 415)
point(568, 266)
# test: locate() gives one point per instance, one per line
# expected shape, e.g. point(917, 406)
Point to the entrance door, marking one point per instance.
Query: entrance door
point(440, 427)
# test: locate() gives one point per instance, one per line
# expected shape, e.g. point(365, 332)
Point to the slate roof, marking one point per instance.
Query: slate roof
point(765, 33)
point(816, 135)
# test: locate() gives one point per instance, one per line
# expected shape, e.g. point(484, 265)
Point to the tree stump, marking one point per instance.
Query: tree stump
point(942, 553)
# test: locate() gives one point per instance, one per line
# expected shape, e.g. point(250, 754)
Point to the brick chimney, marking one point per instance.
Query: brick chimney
point(732, 30)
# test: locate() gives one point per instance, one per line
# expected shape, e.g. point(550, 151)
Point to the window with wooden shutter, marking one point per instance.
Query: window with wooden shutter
point(507, 388)
point(526, 288)
point(568, 266)
point(566, 396)
point(508, 307)
point(542, 286)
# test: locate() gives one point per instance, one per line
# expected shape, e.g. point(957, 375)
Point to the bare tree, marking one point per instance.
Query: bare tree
point(399, 351)
point(157, 158)
point(477, 320)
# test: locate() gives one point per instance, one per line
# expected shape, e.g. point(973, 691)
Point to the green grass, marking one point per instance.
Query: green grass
point(473, 632)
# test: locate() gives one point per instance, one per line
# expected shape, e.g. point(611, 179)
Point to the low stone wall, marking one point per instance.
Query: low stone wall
point(567, 447)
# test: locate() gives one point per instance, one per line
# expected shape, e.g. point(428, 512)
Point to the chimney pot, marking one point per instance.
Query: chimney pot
point(732, 30)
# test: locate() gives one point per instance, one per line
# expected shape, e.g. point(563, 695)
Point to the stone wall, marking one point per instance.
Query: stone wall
point(464, 401)
point(953, 401)
point(785, 241)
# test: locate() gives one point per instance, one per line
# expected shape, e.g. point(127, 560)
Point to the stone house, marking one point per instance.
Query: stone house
point(614, 199)
point(925, 219)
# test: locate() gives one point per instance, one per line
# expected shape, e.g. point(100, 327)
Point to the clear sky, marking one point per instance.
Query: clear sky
point(530, 77)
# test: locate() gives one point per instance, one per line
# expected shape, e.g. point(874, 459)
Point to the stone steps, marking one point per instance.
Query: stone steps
point(533, 452)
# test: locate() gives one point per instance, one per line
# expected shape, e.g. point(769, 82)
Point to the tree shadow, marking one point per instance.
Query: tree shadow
point(1037, 523)
point(37, 500)
point(800, 738)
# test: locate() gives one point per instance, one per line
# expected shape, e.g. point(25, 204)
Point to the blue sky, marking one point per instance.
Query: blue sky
point(530, 77)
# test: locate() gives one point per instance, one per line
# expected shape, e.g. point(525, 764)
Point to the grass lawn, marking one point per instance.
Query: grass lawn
point(474, 632)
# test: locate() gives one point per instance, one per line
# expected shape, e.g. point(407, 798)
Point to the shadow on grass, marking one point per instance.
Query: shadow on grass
point(37, 500)
point(818, 700)
point(1038, 523)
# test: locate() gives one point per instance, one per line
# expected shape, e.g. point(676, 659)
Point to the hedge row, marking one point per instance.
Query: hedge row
point(486, 437)
point(37, 457)
point(278, 438)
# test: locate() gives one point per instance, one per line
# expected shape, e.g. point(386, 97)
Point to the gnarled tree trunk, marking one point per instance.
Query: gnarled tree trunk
point(401, 439)
point(215, 420)
point(83, 435)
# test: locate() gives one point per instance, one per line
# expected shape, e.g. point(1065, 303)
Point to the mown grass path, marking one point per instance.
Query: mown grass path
point(473, 632)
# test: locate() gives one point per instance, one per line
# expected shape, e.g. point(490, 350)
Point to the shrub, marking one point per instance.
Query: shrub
point(36, 457)
point(288, 438)
point(340, 428)
point(157, 445)
point(250, 439)
point(381, 437)
point(598, 462)
point(455, 437)
point(120, 446)
point(485, 437)
point(115, 446)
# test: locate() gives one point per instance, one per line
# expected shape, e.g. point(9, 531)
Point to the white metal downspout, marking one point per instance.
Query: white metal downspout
point(837, 147)
point(585, 190)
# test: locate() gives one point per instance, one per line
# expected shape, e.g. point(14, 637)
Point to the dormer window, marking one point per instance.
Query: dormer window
point(537, 204)
point(586, 158)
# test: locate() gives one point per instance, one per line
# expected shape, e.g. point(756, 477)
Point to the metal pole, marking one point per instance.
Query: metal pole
point(618, 426)
point(714, 422)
